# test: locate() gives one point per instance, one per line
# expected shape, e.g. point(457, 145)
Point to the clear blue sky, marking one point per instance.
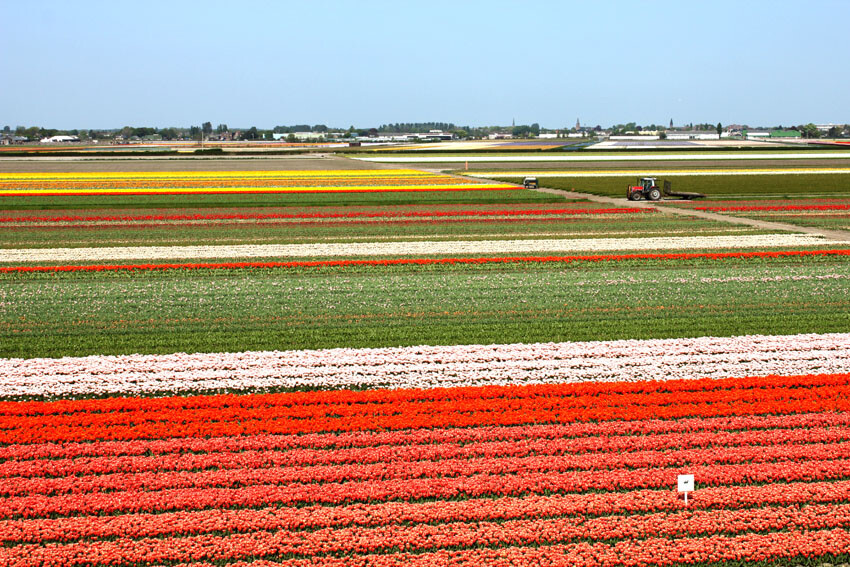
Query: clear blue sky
point(87, 64)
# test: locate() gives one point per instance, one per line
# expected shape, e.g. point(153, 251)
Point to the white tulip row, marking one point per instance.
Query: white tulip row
point(416, 248)
point(429, 366)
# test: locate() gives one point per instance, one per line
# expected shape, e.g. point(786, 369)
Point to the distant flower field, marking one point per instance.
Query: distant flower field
point(138, 183)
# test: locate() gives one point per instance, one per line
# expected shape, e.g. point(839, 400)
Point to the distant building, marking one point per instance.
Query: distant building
point(435, 135)
point(642, 137)
point(9, 139)
point(59, 139)
point(301, 136)
point(692, 135)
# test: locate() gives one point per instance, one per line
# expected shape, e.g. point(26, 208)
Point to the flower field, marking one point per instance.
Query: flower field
point(170, 189)
point(340, 224)
point(822, 213)
point(141, 183)
point(468, 476)
point(393, 367)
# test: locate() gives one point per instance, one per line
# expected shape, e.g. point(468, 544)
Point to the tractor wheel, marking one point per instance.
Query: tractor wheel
point(655, 195)
point(635, 196)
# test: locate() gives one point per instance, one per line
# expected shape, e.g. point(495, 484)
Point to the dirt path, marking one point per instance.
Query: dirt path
point(766, 225)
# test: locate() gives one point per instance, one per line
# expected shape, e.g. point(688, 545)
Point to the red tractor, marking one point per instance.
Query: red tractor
point(647, 188)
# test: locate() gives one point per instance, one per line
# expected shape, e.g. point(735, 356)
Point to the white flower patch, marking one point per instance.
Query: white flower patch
point(430, 366)
point(415, 248)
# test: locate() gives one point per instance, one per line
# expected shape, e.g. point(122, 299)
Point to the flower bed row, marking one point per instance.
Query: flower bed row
point(57, 184)
point(747, 548)
point(745, 208)
point(208, 455)
point(349, 215)
point(265, 471)
point(390, 513)
point(428, 366)
point(153, 418)
point(425, 261)
point(427, 538)
point(49, 456)
point(255, 190)
point(476, 485)
point(410, 248)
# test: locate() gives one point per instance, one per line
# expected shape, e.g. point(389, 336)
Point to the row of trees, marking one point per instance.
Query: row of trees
point(811, 131)
point(206, 130)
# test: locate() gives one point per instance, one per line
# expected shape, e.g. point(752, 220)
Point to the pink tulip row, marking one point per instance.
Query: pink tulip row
point(466, 485)
point(448, 466)
point(14, 456)
point(203, 458)
point(428, 512)
point(429, 366)
point(661, 551)
point(424, 537)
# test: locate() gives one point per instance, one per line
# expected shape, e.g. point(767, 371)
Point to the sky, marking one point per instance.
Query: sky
point(91, 64)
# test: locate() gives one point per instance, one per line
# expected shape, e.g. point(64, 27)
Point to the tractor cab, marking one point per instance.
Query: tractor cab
point(530, 183)
point(646, 188)
point(647, 183)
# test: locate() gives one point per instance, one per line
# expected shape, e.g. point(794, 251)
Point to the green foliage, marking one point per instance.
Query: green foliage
point(270, 231)
point(269, 309)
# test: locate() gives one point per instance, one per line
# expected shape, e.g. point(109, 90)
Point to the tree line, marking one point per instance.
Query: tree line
point(206, 129)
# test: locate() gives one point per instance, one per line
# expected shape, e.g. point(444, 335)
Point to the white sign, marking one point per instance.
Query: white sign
point(686, 484)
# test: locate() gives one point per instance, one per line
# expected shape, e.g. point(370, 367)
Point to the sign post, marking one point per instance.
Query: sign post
point(686, 484)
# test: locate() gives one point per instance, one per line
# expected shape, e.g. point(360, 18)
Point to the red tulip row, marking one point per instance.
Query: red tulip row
point(399, 539)
point(348, 215)
point(325, 411)
point(578, 395)
point(661, 551)
point(207, 456)
point(51, 458)
point(429, 512)
point(370, 491)
point(443, 467)
point(423, 261)
point(745, 208)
